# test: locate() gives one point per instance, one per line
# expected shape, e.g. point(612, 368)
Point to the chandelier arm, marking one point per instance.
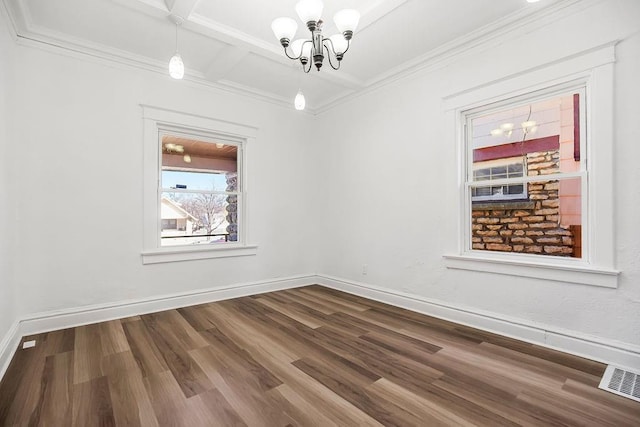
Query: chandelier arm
point(291, 57)
point(348, 46)
point(330, 53)
point(333, 49)
point(306, 70)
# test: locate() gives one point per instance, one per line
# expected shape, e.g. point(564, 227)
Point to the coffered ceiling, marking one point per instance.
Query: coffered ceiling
point(229, 44)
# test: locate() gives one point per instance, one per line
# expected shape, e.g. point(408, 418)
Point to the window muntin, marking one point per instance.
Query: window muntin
point(199, 190)
point(532, 154)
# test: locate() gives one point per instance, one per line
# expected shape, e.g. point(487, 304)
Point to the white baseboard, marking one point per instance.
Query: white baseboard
point(8, 346)
point(594, 348)
point(610, 352)
point(55, 320)
point(69, 318)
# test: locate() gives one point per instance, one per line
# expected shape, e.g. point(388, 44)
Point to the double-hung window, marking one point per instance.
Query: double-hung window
point(526, 169)
point(536, 155)
point(194, 187)
point(199, 189)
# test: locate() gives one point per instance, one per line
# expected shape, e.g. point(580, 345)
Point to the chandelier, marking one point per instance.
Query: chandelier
point(313, 49)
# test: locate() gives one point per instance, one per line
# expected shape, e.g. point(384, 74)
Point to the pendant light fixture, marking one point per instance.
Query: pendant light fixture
point(176, 66)
point(299, 102)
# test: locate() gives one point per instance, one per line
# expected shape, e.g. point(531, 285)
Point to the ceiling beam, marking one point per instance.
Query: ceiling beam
point(181, 8)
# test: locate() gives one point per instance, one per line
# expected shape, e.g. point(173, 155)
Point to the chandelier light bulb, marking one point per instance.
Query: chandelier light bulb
point(340, 44)
point(187, 158)
point(299, 102)
point(309, 10)
point(347, 21)
point(284, 29)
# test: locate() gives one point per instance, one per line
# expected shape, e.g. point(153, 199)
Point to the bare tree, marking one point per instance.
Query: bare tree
point(208, 209)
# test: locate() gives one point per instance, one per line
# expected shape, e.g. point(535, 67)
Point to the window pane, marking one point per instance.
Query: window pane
point(515, 170)
point(211, 181)
point(198, 165)
point(513, 189)
point(193, 219)
point(548, 222)
point(546, 134)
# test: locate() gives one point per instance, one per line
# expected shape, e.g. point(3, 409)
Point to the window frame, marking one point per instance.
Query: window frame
point(593, 69)
point(158, 121)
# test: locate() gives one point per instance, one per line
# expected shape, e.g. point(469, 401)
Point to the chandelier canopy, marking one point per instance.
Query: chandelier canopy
point(305, 50)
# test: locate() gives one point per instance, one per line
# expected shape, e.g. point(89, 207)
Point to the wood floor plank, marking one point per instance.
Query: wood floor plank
point(87, 354)
point(26, 384)
point(235, 358)
point(92, 403)
point(129, 398)
point(428, 412)
point(145, 352)
point(171, 344)
point(197, 318)
point(291, 312)
point(308, 356)
point(54, 405)
point(216, 410)
point(338, 304)
point(354, 389)
point(170, 406)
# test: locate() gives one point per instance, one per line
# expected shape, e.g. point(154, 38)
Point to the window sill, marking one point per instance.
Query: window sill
point(163, 255)
point(561, 272)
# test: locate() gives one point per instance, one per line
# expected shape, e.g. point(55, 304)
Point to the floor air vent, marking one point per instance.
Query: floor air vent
point(621, 382)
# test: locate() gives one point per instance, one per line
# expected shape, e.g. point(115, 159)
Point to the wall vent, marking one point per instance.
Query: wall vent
point(622, 382)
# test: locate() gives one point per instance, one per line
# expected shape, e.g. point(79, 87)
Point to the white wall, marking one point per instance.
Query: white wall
point(78, 184)
point(6, 230)
point(376, 187)
point(396, 170)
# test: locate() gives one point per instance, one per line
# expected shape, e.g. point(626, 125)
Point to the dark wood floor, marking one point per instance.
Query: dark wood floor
point(309, 356)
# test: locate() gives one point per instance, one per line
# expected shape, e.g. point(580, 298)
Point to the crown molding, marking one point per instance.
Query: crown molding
point(7, 15)
point(25, 32)
point(516, 24)
point(119, 58)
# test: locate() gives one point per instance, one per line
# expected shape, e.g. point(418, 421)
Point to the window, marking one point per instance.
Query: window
point(194, 189)
point(199, 190)
point(567, 194)
point(511, 168)
point(526, 172)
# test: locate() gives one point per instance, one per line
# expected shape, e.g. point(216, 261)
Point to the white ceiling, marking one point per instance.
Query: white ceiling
point(230, 43)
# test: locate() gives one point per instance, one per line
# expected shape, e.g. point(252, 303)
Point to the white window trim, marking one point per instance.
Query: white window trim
point(594, 70)
point(157, 120)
